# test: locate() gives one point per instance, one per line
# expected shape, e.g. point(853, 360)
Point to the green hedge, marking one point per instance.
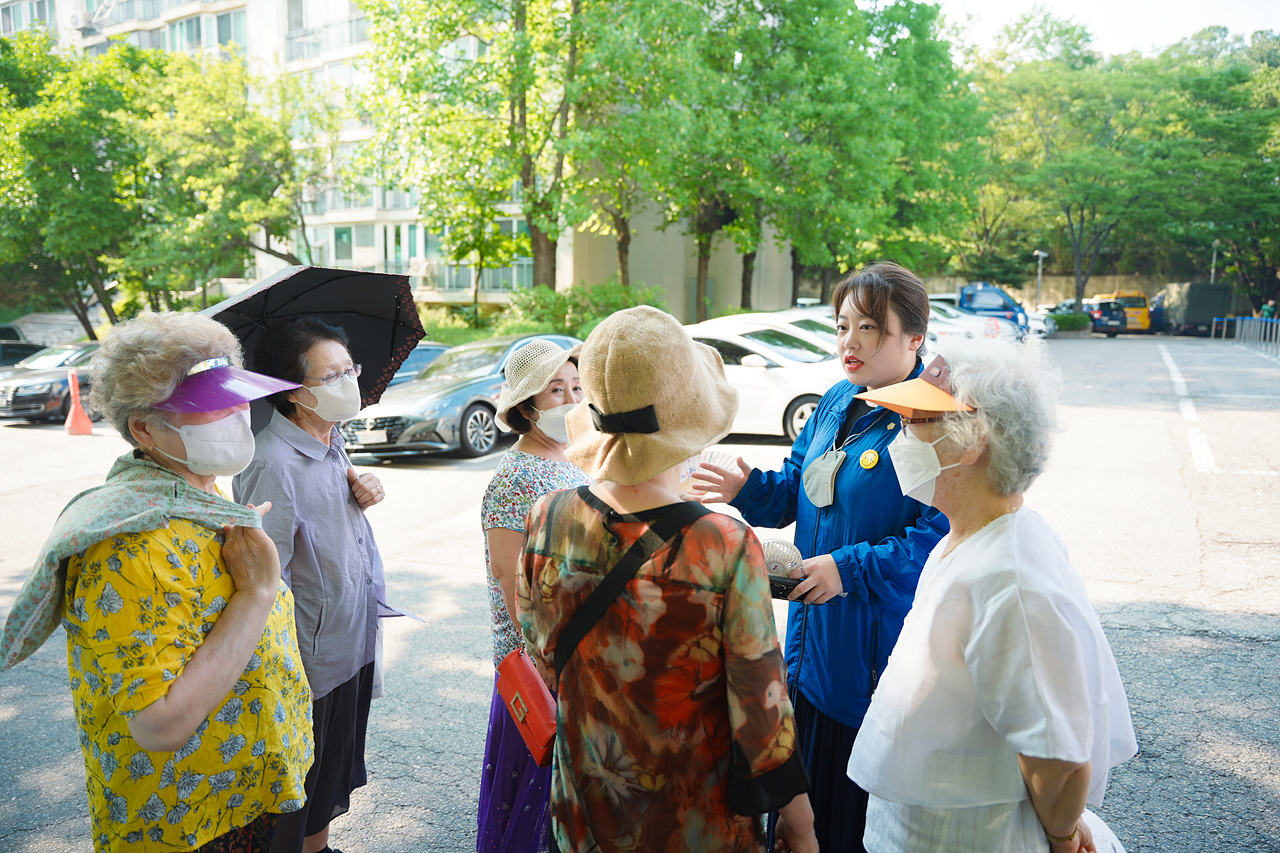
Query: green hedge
point(1072, 322)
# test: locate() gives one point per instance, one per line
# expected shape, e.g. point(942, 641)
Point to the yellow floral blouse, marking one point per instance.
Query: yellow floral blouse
point(137, 607)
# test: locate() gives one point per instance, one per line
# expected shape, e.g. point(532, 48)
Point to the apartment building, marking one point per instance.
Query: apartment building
point(379, 228)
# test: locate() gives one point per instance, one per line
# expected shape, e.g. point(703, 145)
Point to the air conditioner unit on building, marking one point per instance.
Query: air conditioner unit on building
point(417, 267)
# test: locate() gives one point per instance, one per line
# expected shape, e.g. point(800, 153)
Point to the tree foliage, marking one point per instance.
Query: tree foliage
point(145, 170)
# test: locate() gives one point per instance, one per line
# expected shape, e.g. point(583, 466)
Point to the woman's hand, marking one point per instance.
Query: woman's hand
point(794, 830)
point(821, 581)
point(713, 484)
point(251, 557)
point(366, 488)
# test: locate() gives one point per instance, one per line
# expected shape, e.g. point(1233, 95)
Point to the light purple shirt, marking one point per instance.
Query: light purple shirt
point(327, 553)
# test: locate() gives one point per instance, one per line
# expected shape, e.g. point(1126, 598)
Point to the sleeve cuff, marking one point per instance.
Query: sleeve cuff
point(768, 792)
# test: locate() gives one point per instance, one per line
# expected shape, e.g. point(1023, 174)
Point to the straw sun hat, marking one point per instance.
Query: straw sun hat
point(654, 397)
point(529, 371)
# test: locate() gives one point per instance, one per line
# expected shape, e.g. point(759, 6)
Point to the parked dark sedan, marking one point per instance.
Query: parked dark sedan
point(1108, 316)
point(37, 388)
point(449, 406)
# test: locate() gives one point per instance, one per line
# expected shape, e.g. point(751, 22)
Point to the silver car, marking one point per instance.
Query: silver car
point(448, 406)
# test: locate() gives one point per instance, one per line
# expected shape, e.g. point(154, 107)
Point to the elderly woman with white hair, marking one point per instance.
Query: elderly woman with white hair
point(188, 687)
point(1002, 709)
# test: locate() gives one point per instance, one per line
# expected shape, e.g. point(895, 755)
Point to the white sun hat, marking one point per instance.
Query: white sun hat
point(529, 371)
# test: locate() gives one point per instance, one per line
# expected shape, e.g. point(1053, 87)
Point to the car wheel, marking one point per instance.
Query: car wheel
point(1112, 334)
point(798, 415)
point(479, 433)
point(64, 410)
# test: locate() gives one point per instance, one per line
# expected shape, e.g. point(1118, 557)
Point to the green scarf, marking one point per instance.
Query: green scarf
point(139, 495)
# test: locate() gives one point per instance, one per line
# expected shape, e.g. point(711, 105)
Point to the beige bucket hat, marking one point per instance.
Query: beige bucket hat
point(529, 372)
point(654, 397)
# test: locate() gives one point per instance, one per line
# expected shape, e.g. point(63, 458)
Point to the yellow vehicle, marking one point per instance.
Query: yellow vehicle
point(1136, 312)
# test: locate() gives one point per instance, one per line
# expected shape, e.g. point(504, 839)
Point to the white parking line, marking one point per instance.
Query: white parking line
point(1238, 396)
point(1201, 455)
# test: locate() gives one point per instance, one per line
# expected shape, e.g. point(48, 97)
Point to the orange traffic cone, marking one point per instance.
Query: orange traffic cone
point(78, 422)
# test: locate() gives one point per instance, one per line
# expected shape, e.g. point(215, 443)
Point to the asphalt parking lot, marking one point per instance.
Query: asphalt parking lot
point(1165, 484)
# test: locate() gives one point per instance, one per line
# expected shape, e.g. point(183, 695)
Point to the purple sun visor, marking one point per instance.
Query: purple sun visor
point(215, 384)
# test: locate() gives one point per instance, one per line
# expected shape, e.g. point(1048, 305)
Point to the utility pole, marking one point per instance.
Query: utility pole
point(1039, 256)
point(1213, 268)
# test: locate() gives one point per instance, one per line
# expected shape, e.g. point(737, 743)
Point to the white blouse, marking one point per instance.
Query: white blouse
point(1001, 654)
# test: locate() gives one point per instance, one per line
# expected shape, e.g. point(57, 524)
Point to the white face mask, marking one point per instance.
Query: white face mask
point(335, 403)
point(222, 448)
point(917, 465)
point(552, 424)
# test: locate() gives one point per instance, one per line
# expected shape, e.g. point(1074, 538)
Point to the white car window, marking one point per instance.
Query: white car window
point(788, 346)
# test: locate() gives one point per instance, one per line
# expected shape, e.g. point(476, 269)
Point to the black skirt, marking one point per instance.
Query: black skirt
point(839, 806)
point(340, 720)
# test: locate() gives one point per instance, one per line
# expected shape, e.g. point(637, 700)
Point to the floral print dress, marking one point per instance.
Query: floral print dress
point(137, 607)
point(674, 726)
point(520, 480)
point(511, 815)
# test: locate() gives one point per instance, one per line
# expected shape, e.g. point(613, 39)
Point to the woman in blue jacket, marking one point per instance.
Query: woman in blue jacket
point(864, 543)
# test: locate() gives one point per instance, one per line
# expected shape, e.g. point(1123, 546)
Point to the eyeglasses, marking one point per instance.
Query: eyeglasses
point(335, 378)
point(906, 421)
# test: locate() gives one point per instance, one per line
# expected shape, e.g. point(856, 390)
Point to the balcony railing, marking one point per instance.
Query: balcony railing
point(302, 44)
point(399, 199)
point(442, 276)
point(338, 200)
point(342, 33)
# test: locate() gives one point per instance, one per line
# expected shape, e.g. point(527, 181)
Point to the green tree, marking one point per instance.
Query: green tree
point(1228, 162)
point(75, 175)
point(468, 91)
point(627, 116)
point(230, 154)
point(936, 118)
point(1090, 136)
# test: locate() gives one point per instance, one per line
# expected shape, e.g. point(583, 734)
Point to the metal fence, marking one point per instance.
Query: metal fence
point(1259, 334)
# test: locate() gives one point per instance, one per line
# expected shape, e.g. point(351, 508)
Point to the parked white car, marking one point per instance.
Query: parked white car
point(943, 321)
point(1042, 324)
point(780, 375)
point(807, 323)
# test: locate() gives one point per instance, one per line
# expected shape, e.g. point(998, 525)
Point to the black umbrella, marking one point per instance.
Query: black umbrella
point(375, 309)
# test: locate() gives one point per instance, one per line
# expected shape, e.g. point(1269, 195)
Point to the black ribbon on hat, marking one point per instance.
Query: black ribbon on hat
point(639, 420)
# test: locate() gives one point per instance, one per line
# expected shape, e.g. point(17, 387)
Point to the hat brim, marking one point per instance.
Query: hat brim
point(508, 399)
point(702, 418)
point(914, 398)
point(222, 388)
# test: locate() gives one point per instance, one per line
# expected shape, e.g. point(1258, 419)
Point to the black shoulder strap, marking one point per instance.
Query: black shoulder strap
point(588, 614)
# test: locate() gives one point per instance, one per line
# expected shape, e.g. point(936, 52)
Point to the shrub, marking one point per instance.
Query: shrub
point(441, 324)
point(1072, 322)
point(579, 309)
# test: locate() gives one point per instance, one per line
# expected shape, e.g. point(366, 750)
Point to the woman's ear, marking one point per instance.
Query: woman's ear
point(915, 342)
point(141, 432)
point(975, 453)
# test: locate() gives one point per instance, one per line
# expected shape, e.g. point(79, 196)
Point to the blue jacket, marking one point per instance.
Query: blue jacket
point(879, 539)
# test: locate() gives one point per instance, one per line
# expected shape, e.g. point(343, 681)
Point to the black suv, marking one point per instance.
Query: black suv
point(1108, 316)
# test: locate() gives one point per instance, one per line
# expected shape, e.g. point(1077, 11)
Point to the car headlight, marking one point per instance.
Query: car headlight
point(32, 390)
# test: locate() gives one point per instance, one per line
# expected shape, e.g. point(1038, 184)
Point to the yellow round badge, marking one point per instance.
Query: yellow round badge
point(868, 459)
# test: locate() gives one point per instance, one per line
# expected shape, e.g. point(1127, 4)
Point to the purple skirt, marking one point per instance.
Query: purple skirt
point(514, 791)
